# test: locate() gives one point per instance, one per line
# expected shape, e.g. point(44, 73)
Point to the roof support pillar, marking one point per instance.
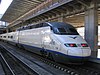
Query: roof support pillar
point(91, 28)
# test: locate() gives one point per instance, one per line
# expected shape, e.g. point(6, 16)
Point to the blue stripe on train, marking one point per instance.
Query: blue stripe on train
point(55, 52)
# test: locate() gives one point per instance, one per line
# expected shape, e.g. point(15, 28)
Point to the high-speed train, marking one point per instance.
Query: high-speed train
point(57, 41)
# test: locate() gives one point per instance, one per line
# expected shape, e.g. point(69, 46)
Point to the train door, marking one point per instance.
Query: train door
point(55, 44)
point(45, 41)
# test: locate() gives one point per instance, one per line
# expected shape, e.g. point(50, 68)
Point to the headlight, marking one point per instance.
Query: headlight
point(84, 45)
point(70, 45)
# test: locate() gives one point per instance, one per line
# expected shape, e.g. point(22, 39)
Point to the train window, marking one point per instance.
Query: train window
point(36, 26)
point(33, 26)
point(73, 31)
point(65, 31)
point(22, 28)
point(11, 37)
point(4, 36)
point(44, 25)
point(30, 27)
point(62, 30)
point(41, 25)
point(51, 28)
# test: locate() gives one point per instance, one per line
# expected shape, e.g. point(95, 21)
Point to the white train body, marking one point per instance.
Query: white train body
point(54, 40)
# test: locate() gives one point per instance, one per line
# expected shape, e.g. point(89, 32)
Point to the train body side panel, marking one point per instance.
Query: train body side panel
point(33, 37)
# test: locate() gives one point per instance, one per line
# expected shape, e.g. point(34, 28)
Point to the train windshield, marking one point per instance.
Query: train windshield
point(65, 31)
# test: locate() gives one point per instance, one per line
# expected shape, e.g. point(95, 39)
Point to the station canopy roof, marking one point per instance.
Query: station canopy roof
point(18, 8)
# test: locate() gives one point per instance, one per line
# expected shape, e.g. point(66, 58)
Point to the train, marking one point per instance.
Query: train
point(57, 41)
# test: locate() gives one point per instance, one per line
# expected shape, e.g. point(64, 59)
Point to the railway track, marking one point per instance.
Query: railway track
point(88, 68)
point(38, 67)
point(13, 66)
point(85, 69)
point(6, 67)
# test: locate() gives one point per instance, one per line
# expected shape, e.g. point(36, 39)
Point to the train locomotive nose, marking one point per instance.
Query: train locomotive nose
point(78, 55)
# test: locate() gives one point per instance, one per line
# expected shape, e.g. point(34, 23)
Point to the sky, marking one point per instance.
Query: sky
point(4, 5)
point(81, 32)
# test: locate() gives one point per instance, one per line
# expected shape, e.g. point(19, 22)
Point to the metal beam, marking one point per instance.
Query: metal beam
point(83, 3)
point(35, 1)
